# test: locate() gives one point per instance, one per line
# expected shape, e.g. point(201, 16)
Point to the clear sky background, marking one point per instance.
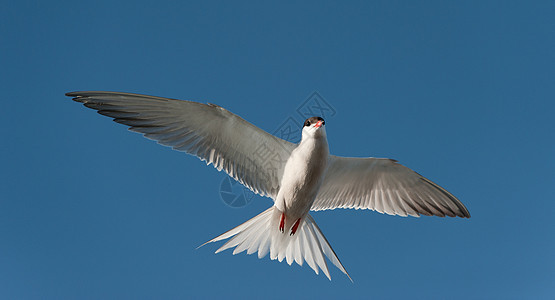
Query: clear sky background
point(463, 93)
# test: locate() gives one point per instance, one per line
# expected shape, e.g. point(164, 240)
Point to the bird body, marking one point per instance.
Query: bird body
point(286, 229)
point(307, 179)
point(303, 174)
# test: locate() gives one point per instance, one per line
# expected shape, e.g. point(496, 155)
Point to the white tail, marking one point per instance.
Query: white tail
point(261, 234)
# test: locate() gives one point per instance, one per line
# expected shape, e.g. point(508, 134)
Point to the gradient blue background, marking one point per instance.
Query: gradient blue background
point(461, 92)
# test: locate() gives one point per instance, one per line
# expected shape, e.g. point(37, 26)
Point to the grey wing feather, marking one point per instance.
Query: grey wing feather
point(385, 186)
point(250, 155)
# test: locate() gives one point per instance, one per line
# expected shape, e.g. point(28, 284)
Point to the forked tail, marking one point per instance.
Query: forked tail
point(261, 234)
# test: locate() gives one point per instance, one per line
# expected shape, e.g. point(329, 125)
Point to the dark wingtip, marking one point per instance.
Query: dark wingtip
point(463, 211)
point(77, 96)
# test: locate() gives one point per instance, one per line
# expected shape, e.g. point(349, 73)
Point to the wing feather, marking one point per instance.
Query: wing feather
point(385, 186)
point(207, 131)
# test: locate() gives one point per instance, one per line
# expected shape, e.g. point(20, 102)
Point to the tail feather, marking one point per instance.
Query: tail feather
point(264, 247)
point(326, 247)
point(308, 256)
point(299, 253)
point(318, 253)
point(261, 234)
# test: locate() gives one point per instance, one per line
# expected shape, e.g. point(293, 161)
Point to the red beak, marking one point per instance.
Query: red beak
point(318, 124)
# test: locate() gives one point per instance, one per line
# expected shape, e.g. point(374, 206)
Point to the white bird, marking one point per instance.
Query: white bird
point(300, 178)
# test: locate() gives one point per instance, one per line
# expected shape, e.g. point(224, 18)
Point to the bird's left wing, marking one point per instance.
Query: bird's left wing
point(385, 186)
point(247, 153)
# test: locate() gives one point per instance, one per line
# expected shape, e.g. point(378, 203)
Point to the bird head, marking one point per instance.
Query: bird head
point(314, 127)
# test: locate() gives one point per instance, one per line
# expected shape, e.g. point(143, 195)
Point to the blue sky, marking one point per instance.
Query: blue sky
point(461, 92)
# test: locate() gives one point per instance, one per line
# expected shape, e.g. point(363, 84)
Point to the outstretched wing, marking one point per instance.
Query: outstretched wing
point(385, 186)
point(250, 155)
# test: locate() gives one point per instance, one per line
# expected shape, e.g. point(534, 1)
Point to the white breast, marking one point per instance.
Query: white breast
point(303, 176)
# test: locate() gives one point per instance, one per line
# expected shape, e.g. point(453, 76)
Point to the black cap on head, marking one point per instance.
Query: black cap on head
point(313, 120)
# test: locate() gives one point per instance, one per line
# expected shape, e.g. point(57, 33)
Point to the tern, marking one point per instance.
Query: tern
point(299, 177)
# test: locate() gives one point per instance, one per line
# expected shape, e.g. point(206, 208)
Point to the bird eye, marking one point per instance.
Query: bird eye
point(307, 123)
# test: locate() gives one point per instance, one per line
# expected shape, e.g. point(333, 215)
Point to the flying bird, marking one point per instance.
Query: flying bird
point(305, 178)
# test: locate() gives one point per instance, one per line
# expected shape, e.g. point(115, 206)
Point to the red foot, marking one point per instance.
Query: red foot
point(282, 222)
point(295, 226)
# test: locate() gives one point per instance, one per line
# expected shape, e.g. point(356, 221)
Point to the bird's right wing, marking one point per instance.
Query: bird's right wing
point(247, 153)
point(385, 186)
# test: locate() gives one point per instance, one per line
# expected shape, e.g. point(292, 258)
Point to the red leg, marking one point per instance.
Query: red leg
point(295, 226)
point(282, 222)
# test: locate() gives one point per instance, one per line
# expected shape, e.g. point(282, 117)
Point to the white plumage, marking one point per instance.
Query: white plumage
point(302, 176)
